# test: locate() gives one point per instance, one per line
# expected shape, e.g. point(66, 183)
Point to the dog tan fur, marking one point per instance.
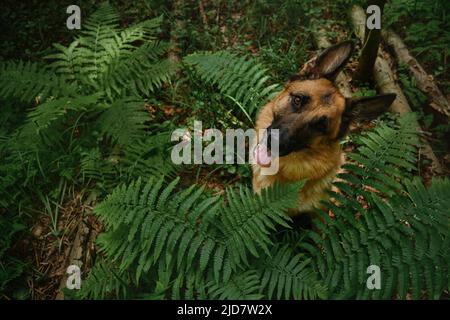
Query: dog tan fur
point(319, 164)
point(320, 156)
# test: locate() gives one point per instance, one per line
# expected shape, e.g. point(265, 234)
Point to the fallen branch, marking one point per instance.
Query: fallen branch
point(424, 81)
point(80, 253)
point(386, 83)
point(75, 255)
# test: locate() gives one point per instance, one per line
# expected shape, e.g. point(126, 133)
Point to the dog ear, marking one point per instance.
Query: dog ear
point(368, 108)
point(365, 108)
point(328, 63)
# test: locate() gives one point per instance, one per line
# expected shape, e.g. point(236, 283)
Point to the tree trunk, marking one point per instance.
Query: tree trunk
point(385, 80)
point(424, 82)
point(372, 39)
point(177, 25)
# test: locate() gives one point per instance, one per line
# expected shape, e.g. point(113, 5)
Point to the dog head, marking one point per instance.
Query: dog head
point(311, 112)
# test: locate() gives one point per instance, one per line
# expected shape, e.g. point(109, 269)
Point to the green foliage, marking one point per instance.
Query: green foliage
point(281, 17)
point(407, 237)
point(386, 218)
point(94, 118)
point(284, 57)
point(86, 121)
point(10, 267)
point(123, 121)
point(26, 81)
point(105, 281)
point(98, 63)
point(425, 25)
point(242, 80)
point(92, 89)
point(204, 244)
point(415, 97)
point(387, 154)
point(145, 157)
point(287, 274)
point(187, 243)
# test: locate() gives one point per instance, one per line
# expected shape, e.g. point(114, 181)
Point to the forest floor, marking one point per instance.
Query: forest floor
point(266, 31)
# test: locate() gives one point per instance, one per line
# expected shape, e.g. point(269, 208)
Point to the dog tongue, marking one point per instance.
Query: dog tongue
point(262, 155)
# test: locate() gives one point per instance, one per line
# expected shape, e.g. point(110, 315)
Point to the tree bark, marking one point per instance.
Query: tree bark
point(386, 83)
point(424, 82)
point(177, 25)
point(371, 42)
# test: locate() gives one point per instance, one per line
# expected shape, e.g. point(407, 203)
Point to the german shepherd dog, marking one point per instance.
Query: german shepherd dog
point(312, 116)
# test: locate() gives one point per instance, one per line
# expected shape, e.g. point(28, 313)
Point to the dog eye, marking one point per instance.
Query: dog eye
point(298, 101)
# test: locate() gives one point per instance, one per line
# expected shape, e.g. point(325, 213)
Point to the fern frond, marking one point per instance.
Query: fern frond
point(148, 157)
point(143, 31)
point(104, 19)
point(112, 60)
point(244, 80)
point(44, 114)
point(105, 15)
point(243, 286)
point(127, 73)
point(94, 166)
point(248, 220)
point(158, 225)
point(123, 121)
point(181, 229)
point(94, 50)
point(287, 274)
point(28, 81)
point(145, 158)
point(402, 227)
point(105, 282)
point(66, 61)
point(386, 155)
